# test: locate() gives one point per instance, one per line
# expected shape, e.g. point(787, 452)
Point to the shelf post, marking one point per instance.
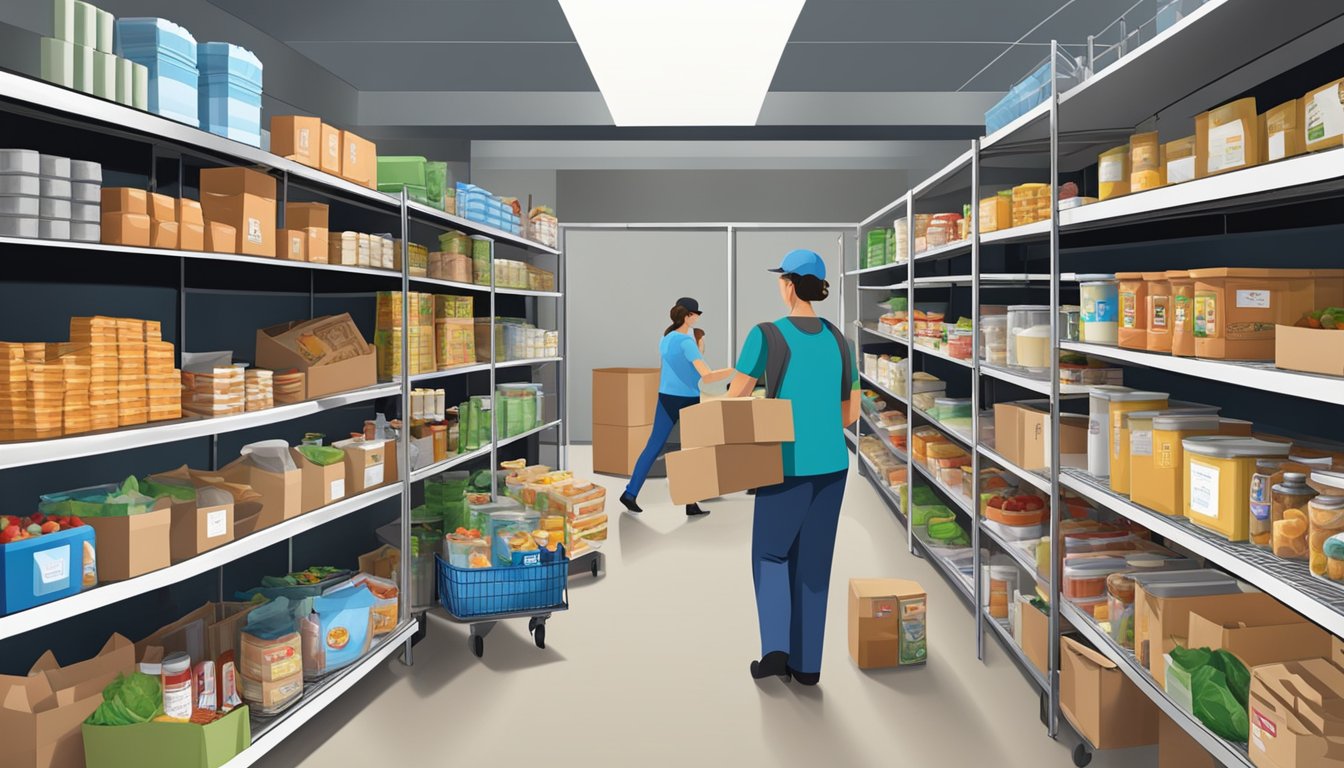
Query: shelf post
point(494, 412)
point(562, 367)
point(977, 584)
point(403, 436)
point(908, 500)
point(1056, 546)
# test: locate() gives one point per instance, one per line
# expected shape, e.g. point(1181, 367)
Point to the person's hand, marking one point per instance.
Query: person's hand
point(720, 374)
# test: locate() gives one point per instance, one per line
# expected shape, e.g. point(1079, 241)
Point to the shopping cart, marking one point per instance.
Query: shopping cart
point(482, 597)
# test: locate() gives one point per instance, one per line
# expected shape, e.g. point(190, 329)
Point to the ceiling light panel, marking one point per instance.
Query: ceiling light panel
point(688, 62)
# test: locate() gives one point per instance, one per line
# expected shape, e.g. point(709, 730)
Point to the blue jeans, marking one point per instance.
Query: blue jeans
point(665, 417)
point(792, 545)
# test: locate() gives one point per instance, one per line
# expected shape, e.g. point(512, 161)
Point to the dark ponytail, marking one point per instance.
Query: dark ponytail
point(809, 287)
point(678, 316)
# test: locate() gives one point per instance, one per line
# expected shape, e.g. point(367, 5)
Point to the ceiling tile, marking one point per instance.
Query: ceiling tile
point(454, 66)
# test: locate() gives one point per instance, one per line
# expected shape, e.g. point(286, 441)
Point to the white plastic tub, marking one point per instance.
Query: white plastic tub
point(19, 226)
point(53, 208)
point(86, 170)
point(86, 192)
point(86, 233)
point(52, 187)
point(53, 229)
point(20, 184)
point(55, 166)
point(87, 213)
point(20, 206)
point(23, 161)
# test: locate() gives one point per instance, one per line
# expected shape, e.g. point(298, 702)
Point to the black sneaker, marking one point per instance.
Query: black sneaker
point(805, 678)
point(693, 510)
point(629, 502)
point(773, 664)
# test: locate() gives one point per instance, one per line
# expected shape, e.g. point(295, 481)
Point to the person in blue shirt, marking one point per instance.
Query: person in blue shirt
point(793, 532)
point(683, 368)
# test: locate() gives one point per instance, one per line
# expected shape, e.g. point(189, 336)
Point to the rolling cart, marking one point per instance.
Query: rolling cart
point(482, 597)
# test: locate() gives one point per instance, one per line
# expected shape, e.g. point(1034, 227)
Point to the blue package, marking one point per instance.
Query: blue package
point(44, 568)
point(339, 630)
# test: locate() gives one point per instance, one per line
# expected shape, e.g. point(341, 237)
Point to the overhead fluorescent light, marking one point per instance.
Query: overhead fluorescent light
point(684, 62)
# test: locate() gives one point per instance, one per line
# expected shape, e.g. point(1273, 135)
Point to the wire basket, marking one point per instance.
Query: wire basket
point(474, 592)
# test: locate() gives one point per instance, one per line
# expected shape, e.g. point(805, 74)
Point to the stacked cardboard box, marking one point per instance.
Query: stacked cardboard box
point(729, 445)
point(245, 200)
point(387, 334)
point(15, 415)
point(76, 372)
point(313, 219)
point(163, 231)
point(163, 382)
point(623, 404)
point(95, 339)
point(259, 388)
point(215, 392)
point(132, 384)
point(190, 225)
point(454, 331)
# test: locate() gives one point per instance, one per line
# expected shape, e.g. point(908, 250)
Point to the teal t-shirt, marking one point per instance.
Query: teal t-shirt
point(812, 383)
point(679, 352)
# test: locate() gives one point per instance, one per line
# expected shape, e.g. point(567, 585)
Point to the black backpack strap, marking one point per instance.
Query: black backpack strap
point(846, 361)
point(776, 358)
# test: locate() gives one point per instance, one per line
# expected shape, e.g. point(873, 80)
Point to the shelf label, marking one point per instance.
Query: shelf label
point(373, 476)
point(1277, 145)
point(1204, 489)
point(216, 523)
point(338, 489)
point(303, 141)
point(254, 231)
point(51, 569)
point(1254, 299)
point(1227, 146)
point(1141, 442)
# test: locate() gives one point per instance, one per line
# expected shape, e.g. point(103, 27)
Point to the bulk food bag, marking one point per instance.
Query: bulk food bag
point(338, 631)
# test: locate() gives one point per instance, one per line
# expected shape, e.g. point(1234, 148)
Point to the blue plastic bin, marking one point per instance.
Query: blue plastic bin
point(230, 108)
point(42, 569)
point(229, 59)
point(144, 33)
point(172, 73)
point(477, 592)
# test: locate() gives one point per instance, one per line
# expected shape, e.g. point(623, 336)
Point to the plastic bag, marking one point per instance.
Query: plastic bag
point(129, 699)
point(1220, 687)
point(276, 618)
point(322, 455)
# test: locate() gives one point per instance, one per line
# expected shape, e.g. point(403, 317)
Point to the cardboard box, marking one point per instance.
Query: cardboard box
point(1227, 138)
point(1161, 624)
point(1257, 635)
point(200, 525)
point(334, 338)
point(737, 421)
point(162, 234)
point(191, 237)
point(706, 473)
point(887, 623)
point(270, 660)
point(1283, 131)
point(625, 397)
point(270, 695)
point(1178, 749)
point(291, 244)
point(1008, 431)
point(616, 449)
point(1314, 350)
point(281, 492)
point(134, 544)
point(220, 237)
point(41, 712)
point(1101, 702)
point(1321, 110)
point(124, 200)
point(244, 199)
point(305, 215)
point(208, 631)
point(297, 138)
point(168, 745)
point(1036, 440)
point(125, 229)
point(322, 485)
point(330, 159)
point(189, 212)
point(1297, 714)
point(366, 463)
point(1035, 636)
point(359, 160)
point(162, 207)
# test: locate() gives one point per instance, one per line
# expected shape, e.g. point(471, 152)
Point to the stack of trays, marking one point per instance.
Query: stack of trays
point(289, 387)
point(54, 207)
point(168, 52)
point(259, 388)
point(16, 418)
point(163, 381)
point(76, 370)
point(20, 192)
point(230, 92)
point(95, 339)
point(46, 398)
point(217, 392)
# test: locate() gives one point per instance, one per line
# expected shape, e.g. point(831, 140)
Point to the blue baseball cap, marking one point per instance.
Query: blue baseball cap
point(802, 262)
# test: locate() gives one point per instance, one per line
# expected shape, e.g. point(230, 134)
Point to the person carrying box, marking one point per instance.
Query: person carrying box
point(806, 360)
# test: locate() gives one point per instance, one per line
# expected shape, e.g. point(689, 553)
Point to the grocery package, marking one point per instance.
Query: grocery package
point(49, 197)
point(1156, 456)
point(1321, 109)
point(212, 385)
point(1031, 203)
point(1113, 173)
point(168, 54)
point(243, 199)
point(476, 204)
point(1227, 138)
point(387, 335)
point(329, 351)
point(44, 559)
point(1311, 343)
point(339, 630)
point(543, 227)
point(1145, 162)
point(132, 528)
point(1179, 160)
point(204, 508)
point(996, 212)
point(80, 55)
point(887, 623)
point(360, 249)
point(229, 91)
point(467, 548)
point(268, 468)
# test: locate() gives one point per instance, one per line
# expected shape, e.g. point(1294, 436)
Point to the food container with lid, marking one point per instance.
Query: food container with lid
point(1121, 403)
point(1289, 504)
point(1182, 313)
point(1098, 428)
point(994, 339)
point(951, 408)
point(1070, 318)
point(1022, 317)
point(1325, 517)
point(1133, 293)
point(1261, 522)
point(1156, 458)
point(1085, 577)
point(959, 343)
point(1085, 542)
point(1236, 309)
point(1100, 309)
point(1334, 557)
point(1218, 480)
point(1157, 308)
point(1120, 607)
point(1000, 580)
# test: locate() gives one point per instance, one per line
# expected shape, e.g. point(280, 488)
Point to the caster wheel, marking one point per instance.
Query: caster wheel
point(422, 629)
point(539, 636)
point(477, 645)
point(595, 569)
point(1081, 755)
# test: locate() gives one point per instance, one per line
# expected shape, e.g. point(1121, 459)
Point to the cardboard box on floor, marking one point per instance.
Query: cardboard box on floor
point(245, 200)
point(706, 473)
point(1161, 623)
point(736, 421)
point(1297, 714)
point(330, 351)
point(887, 623)
point(616, 449)
point(41, 712)
point(322, 484)
point(133, 545)
point(624, 397)
point(1178, 749)
point(1101, 702)
point(1257, 634)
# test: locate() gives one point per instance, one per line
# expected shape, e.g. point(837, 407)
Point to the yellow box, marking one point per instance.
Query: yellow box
point(1156, 458)
point(1122, 403)
point(1113, 173)
point(996, 213)
point(1145, 162)
point(1218, 473)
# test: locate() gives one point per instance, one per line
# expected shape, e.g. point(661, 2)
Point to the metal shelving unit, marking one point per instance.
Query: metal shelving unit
point(169, 141)
point(1239, 45)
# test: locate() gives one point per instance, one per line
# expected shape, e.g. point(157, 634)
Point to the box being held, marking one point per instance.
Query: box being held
point(736, 421)
point(706, 473)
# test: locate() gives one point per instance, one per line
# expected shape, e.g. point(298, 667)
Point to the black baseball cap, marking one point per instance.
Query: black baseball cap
point(690, 304)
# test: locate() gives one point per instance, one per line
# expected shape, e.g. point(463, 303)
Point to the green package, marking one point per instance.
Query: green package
point(167, 745)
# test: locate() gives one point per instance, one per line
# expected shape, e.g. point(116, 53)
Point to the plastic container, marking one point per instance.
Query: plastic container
point(26, 162)
point(1236, 309)
point(1113, 173)
point(1070, 322)
point(1022, 317)
point(1325, 519)
point(85, 213)
point(1133, 296)
point(55, 166)
point(1001, 577)
point(1218, 480)
point(1157, 459)
point(1289, 507)
point(1117, 431)
point(1182, 313)
point(86, 233)
point(53, 229)
point(25, 207)
point(45, 568)
point(86, 171)
point(20, 185)
point(951, 408)
point(1193, 583)
point(507, 529)
point(1098, 428)
point(20, 226)
point(994, 339)
point(53, 187)
point(1091, 542)
point(54, 208)
point(1157, 308)
point(86, 192)
point(1267, 473)
point(1120, 608)
point(1085, 577)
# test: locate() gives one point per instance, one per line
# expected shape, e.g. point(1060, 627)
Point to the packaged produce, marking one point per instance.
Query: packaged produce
point(466, 548)
point(1227, 138)
point(1214, 686)
point(1218, 479)
point(1145, 162)
point(1113, 173)
point(1323, 116)
point(1157, 465)
point(386, 603)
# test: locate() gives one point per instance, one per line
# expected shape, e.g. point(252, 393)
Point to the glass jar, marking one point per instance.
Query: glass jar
point(1070, 322)
point(1261, 522)
point(994, 339)
point(1288, 512)
point(1120, 607)
point(1325, 518)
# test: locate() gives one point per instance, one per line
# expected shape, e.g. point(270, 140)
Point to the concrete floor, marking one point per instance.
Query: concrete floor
point(649, 668)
